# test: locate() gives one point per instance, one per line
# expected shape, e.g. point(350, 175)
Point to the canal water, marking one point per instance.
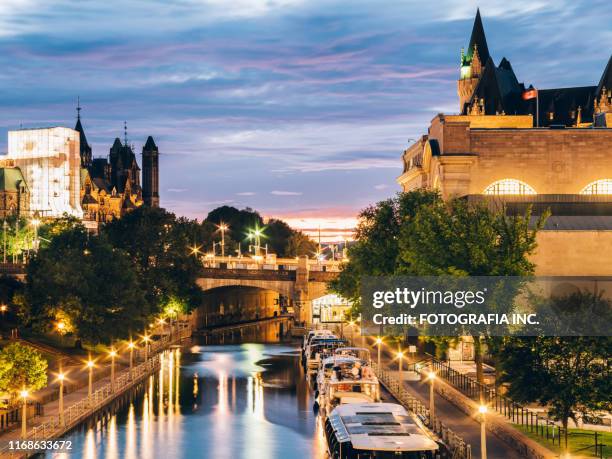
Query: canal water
point(233, 400)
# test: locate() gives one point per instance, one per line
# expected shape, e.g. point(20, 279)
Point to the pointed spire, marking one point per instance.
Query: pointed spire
point(125, 136)
point(606, 78)
point(478, 40)
point(150, 144)
point(78, 108)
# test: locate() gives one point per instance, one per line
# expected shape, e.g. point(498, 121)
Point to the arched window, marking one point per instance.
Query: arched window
point(509, 186)
point(603, 186)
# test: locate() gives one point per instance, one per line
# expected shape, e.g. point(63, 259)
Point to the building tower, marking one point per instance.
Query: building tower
point(472, 63)
point(150, 173)
point(85, 149)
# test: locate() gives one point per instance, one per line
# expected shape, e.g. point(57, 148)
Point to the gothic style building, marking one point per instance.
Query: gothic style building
point(110, 186)
point(520, 146)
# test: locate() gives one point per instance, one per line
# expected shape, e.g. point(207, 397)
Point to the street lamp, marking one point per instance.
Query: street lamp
point(482, 409)
point(146, 339)
point(378, 343)
point(60, 378)
point(113, 354)
point(131, 346)
point(61, 327)
point(3, 309)
point(90, 366)
point(223, 228)
point(24, 394)
point(35, 223)
point(400, 356)
point(431, 377)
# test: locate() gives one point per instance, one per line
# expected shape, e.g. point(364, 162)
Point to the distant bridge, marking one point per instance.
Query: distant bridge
point(301, 280)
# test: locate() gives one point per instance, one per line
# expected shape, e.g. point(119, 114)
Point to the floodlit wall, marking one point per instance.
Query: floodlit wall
point(50, 162)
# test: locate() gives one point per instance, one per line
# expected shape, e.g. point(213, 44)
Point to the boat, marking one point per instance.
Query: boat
point(310, 336)
point(377, 430)
point(319, 349)
point(345, 378)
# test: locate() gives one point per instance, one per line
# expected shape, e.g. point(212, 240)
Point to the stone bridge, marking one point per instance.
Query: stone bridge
point(300, 280)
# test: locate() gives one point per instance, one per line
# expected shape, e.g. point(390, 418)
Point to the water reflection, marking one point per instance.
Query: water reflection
point(223, 401)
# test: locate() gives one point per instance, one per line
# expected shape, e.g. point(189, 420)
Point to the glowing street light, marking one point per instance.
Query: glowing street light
point(195, 250)
point(131, 346)
point(24, 423)
point(378, 343)
point(482, 409)
point(90, 367)
point(223, 228)
point(3, 309)
point(61, 327)
point(35, 222)
point(112, 355)
point(145, 340)
point(431, 377)
point(60, 378)
point(400, 356)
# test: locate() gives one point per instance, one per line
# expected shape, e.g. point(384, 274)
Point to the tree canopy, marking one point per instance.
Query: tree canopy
point(21, 367)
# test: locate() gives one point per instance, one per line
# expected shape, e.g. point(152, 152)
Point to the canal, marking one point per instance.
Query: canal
point(244, 398)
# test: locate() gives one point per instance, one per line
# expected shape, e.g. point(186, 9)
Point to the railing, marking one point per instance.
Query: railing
point(456, 445)
point(256, 274)
point(531, 420)
point(85, 407)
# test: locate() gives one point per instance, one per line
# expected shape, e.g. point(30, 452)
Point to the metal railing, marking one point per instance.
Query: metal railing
point(126, 379)
point(456, 445)
point(532, 421)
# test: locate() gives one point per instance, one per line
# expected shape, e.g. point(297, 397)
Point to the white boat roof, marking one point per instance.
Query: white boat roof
point(379, 427)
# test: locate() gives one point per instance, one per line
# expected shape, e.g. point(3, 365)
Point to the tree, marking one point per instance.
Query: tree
point(375, 251)
point(83, 281)
point(158, 245)
point(457, 238)
point(278, 234)
point(570, 375)
point(240, 222)
point(21, 367)
point(299, 244)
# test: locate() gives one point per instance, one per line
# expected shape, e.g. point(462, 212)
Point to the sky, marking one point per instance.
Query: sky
point(297, 108)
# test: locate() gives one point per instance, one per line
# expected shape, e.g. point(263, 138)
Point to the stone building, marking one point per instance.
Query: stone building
point(513, 146)
point(50, 172)
point(111, 185)
point(14, 192)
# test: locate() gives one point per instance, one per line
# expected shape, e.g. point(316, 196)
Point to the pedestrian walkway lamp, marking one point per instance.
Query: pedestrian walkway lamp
point(146, 339)
point(223, 228)
point(131, 347)
point(378, 343)
point(400, 356)
point(113, 354)
point(24, 423)
point(432, 409)
point(60, 378)
point(90, 366)
point(482, 409)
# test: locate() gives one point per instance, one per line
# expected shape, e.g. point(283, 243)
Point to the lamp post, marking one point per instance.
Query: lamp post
point(113, 354)
point(90, 365)
point(378, 343)
point(60, 378)
point(223, 228)
point(482, 409)
point(24, 421)
point(351, 323)
point(432, 409)
point(146, 339)
point(131, 347)
point(35, 223)
point(400, 356)
point(3, 309)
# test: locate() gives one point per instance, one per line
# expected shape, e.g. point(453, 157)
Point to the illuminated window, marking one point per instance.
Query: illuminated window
point(509, 186)
point(603, 186)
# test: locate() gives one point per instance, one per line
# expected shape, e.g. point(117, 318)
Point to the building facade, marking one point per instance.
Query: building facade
point(51, 172)
point(512, 146)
